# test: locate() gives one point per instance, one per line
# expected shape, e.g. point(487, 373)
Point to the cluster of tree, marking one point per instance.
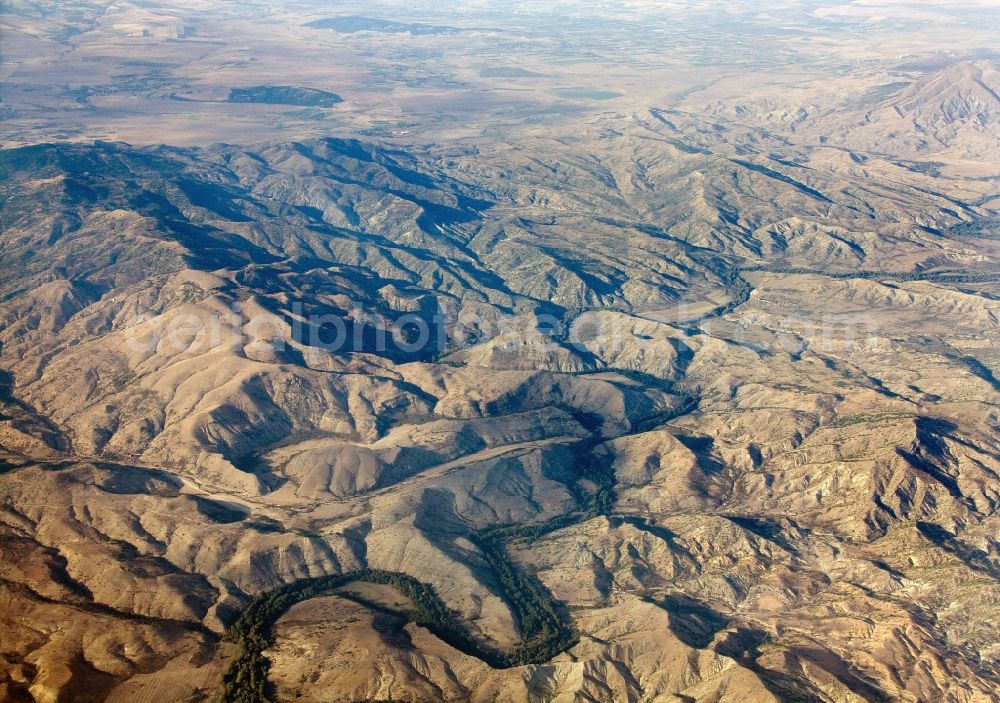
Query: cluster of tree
point(739, 292)
point(985, 228)
point(590, 503)
point(429, 611)
point(686, 402)
point(246, 679)
point(532, 531)
point(544, 632)
point(938, 276)
point(598, 470)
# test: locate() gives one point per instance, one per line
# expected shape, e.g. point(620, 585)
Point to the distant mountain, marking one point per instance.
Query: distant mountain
point(354, 23)
point(966, 92)
point(952, 111)
point(284, 95)
point(508, 72)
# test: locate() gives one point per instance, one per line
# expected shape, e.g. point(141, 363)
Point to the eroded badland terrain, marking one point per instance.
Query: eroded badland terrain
point(524, 353)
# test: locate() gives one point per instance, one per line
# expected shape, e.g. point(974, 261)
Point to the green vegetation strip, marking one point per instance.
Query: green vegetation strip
point(546, 634)
point(930, 276)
